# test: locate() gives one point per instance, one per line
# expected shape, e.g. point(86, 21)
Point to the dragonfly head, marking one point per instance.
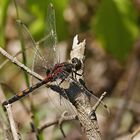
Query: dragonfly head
point(76, 63)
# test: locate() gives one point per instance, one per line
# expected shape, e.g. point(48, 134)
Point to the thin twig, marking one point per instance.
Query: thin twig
point(34, 130)
point(135, 133)
point(12, 123)
point(7, 60)
point(61, 123)
point(65, 118)
point(19, 64)
point(5, 129)
point(94, 108)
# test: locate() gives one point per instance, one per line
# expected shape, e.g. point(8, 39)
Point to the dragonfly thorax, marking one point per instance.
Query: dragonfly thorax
point(63, 70)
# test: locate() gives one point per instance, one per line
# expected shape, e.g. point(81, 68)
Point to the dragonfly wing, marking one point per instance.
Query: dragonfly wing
point(51, 42)
point(47, 45)
point(103, 109)
point(59, 102)
point(40, 54)
point(31, 49)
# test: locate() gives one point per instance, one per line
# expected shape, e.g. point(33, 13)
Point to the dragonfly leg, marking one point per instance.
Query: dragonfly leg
point(79, 74)
point(61, 81)
point(74, 74)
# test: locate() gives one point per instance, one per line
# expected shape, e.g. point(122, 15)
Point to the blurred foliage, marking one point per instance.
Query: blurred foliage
point(39, 9)
point(115, 23)
point(116, 26)
point(3, 16)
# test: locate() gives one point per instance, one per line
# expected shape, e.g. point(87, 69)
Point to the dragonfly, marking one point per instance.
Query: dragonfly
point(65, 71)
point(59, 70)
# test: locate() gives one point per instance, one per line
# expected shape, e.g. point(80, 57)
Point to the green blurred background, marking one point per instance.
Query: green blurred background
point(114, 23)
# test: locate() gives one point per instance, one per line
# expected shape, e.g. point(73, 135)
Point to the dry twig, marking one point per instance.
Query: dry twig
point(19, 64)
point(12, 122)
point(65, 118)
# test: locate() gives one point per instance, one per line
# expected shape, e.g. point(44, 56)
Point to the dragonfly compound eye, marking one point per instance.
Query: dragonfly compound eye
point(76, 63)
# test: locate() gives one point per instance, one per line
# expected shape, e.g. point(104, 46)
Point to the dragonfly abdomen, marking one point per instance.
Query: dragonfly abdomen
point(25, 92)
